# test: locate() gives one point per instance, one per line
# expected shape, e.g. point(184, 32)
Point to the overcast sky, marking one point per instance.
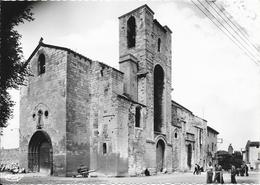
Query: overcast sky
point(211, 76)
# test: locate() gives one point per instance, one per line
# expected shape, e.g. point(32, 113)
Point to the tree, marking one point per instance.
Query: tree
point(224, 159)
point(13, 70)
point(237, 159)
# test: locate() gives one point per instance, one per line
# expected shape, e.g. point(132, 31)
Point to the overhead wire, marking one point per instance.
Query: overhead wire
point(239, 33)
point(229, 33)
point(239, 45)
point(240, 30)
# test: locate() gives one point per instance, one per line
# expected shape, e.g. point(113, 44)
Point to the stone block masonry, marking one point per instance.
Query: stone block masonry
point(76, 111)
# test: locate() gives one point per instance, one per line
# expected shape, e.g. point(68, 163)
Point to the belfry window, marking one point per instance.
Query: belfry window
point(131, 32)
point(137, 116)
point(159, 45)
point(41, 64)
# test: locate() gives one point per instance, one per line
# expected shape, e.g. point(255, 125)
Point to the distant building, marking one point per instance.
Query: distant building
point(252, 154)
point(211, 144)
point(230, 149)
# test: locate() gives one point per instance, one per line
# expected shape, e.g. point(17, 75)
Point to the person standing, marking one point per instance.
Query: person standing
point(246, 169)
point(195, 169)
point(221, 179)
point(198, 169)
point(233, 175)
point(209, 173)
point(217, 174)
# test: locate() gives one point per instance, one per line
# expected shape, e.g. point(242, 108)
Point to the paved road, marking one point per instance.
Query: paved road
point(167, 179)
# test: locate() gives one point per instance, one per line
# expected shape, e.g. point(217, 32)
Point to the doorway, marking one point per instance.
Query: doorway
point(160, 149)
point(189, 155)
point(40, 153)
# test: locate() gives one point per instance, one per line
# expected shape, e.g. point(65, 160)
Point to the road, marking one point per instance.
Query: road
point(167, 179)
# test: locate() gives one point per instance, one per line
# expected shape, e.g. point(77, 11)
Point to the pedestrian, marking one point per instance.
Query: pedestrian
point(146, 172)
point(238, 171)
point(233, 175)
point(216, 176)
point(195, 169)
point(221, 179)
point(242, 171)
point(246, 169)
point(198, 169)
point(209, 173)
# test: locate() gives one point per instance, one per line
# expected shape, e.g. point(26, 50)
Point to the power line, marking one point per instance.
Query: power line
point(244, 38)
point(247, 53)
point(235, 24)
point(228, 31)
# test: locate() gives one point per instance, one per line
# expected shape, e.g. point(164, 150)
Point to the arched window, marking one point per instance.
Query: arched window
point(137, 116)
point(158, 97)
point(131, 32)
point(41, 64)
point(159, 45)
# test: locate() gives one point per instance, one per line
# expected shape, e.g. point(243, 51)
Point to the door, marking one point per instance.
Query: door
point(44, 159)
point(160, 155)
point(189, 155)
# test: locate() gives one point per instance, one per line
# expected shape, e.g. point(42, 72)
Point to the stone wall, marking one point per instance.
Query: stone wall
point(192, 130)
point(78, 113)
point(254, 160)
point(106, 83)
point(9, 156)
point(46, 92)
point(211, 145)
point(148, 31)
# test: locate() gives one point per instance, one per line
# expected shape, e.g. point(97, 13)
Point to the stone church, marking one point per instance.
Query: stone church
point(76, 111)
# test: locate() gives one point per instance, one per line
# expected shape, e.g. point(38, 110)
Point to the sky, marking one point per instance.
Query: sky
point(211, 76)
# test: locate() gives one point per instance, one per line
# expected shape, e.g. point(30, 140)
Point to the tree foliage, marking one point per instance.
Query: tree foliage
point(237, 159)
point(13, 70)
point(226, 160)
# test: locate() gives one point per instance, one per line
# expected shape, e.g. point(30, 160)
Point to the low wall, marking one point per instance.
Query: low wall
point(9, 156)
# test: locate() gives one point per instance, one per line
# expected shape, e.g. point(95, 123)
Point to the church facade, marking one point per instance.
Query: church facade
point(76, 111)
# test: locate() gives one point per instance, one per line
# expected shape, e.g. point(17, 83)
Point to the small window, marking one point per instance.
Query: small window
point(159, 45)
point(137, 116)
point(46, 113)
point(131, 32)
point(41, 64)
point(175, 135)
point(212, 146)
point(104, 148)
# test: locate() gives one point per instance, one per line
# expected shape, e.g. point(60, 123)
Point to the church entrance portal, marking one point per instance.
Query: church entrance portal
point(40, 153)
point(160, 148)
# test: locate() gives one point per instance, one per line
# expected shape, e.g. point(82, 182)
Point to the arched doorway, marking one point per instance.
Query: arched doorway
point(40, 153)
point(158, 97)
point(189, 155)
point(160, 148)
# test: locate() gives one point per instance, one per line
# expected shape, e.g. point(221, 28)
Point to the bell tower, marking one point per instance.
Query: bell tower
point(145, 59)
